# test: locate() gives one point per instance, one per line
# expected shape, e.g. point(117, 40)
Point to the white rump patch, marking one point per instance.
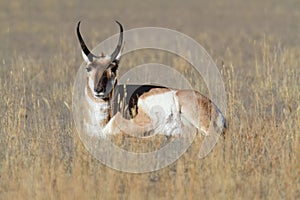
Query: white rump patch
point(220, 120)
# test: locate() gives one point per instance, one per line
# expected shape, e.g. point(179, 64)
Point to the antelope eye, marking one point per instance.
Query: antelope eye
point(104, 81)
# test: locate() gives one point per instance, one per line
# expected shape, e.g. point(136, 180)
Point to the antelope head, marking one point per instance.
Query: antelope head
point(102, 69)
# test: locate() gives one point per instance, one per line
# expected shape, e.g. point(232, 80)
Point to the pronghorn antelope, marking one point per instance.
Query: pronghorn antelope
point(157, 109)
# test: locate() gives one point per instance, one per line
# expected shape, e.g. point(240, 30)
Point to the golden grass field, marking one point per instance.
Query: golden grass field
point(255, 45)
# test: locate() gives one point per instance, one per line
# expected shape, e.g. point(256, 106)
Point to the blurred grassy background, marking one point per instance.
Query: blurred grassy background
point(255, 44)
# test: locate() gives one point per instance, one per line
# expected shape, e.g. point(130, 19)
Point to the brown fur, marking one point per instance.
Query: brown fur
point(135, 127)
point(154, 91)
point(196, 107)
point(142, 118)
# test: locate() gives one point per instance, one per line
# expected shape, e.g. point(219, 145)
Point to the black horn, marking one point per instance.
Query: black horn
point(119, 46)
point(84, 48)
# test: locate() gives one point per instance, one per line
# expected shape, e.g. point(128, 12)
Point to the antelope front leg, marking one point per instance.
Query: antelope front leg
point(118, 125)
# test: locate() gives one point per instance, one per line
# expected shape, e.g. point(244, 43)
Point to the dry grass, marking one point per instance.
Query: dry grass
point(42, 157)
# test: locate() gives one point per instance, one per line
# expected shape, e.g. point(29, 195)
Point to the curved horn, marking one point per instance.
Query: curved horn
point(119, 46)
point(84, 48)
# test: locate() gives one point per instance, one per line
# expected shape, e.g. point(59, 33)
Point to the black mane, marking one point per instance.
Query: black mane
point(125, 98)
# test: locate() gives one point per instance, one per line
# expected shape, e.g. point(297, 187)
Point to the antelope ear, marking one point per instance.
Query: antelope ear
point(85, 58)
point(113, 66)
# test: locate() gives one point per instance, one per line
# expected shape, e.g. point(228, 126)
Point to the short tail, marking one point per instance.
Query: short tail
point(216, 129)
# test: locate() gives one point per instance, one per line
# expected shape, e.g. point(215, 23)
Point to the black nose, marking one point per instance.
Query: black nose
point(98, 89)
